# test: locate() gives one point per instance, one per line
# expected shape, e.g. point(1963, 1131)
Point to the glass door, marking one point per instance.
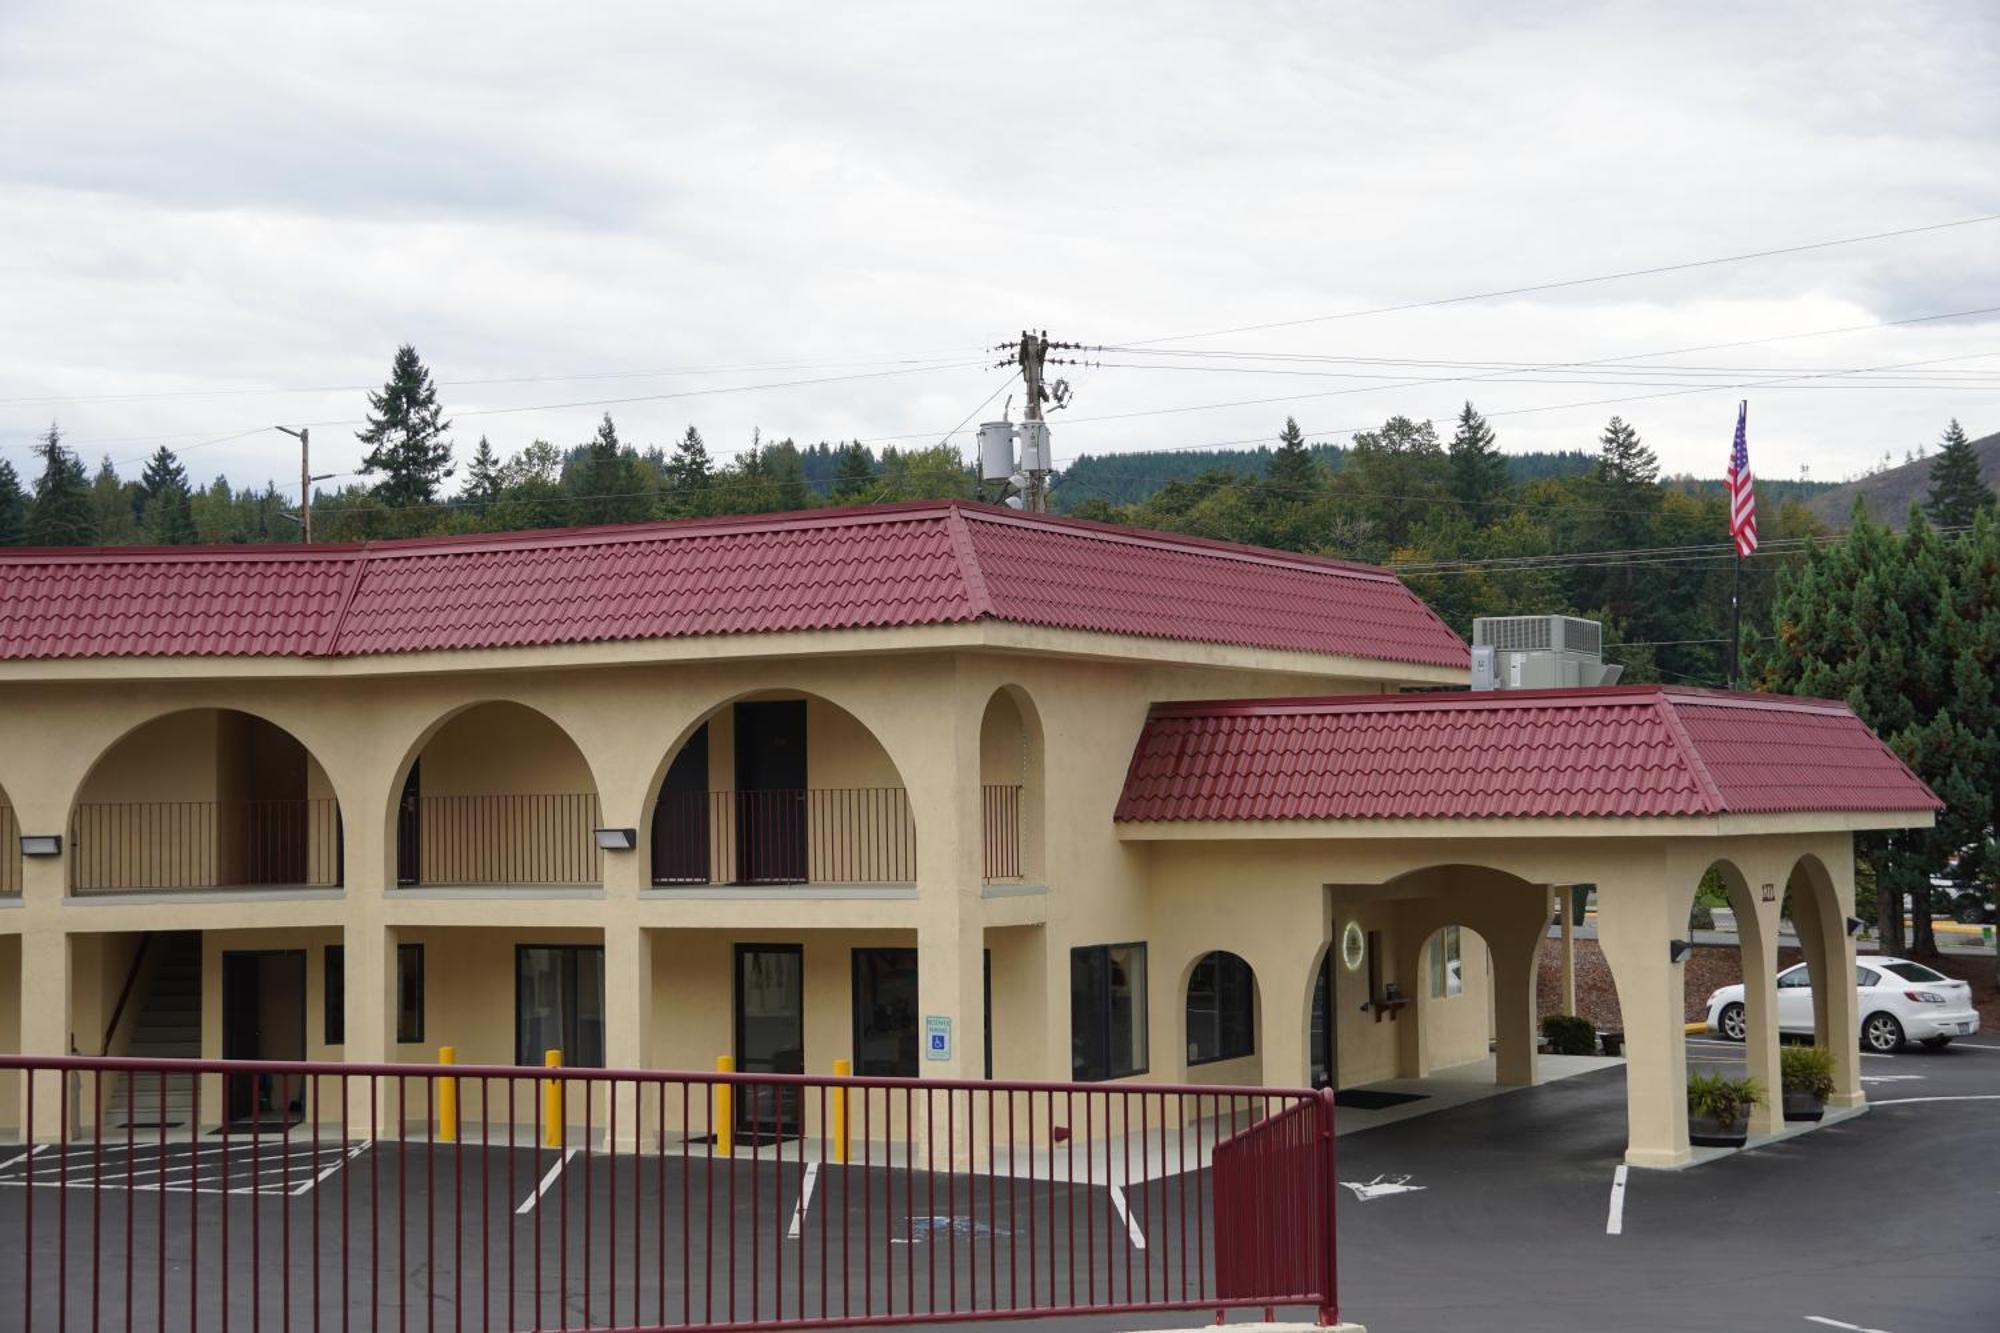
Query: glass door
point(770, 1035)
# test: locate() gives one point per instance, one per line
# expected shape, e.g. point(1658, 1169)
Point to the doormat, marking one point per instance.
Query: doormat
point(263, 1125)
point(761, 1139)
point(151, 1124)
point(1362, 1099)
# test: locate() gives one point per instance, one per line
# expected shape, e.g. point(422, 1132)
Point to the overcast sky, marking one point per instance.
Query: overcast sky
point(216, 218)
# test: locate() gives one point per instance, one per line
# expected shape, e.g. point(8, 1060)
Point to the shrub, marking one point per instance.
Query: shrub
point(1807, 1069)
point(1569, 1035)
point(1722, 1099)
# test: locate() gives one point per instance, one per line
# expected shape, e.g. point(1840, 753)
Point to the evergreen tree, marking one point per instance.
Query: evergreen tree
point(169, 516)
point(1957, 491)
point(112, 499)
point(63, 513)
point(482, 474)
point(606, 482)
point(1623, 458)
point(1293, 476)
point(1393, 479)
point(13, 506)
point(854, 475)
point(405, 435)
point(1478, 469)
point(687, 477)
point(163, 469)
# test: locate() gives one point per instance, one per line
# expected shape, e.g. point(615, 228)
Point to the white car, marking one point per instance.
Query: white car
point(1900, 1001)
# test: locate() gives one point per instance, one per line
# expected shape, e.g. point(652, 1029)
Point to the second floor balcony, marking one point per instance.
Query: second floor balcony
point(137, 846)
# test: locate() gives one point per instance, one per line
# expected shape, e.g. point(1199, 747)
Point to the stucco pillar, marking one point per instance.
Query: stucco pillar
point(368, 954)
point(1566, 895)
point(45, 1028)
point(1408, 972)
point(1637, 915)
point(951, 991)
point(1757, 942)
point(1819, 913)
point(1514, 953)
point(628, 1025)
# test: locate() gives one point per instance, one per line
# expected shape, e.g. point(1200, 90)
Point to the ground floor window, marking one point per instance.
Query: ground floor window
point(1447, 964)
point(885, 1013)
point(1221, 1010)
point(409, 993)
point(334, 995)
point(559, 1003)
point(1107, 1011)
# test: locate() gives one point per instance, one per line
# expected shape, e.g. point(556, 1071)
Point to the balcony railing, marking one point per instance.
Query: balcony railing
point(1002, 823)
point(458, 841)
point(10, 853)
point(204, 845)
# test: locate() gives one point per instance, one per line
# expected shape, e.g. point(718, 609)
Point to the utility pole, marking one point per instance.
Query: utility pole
point(1031, 354)
point(306, 478)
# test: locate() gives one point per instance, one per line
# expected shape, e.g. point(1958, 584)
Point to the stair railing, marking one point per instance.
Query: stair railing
point(125, 995)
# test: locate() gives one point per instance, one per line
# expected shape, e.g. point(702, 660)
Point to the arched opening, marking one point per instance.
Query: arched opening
point(209, 798)
point(781, 787)
point(1221, 1019)
point(1011, 791)
point(1455, 1004)
point(498, 795)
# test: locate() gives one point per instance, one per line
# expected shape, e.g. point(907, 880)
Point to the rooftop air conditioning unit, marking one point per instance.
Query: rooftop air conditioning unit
point(1539, 653)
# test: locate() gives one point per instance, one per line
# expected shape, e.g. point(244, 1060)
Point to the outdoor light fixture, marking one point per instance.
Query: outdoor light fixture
point(1677, 950)
point(617, 839)
point(1854, 925)
point(41, 844)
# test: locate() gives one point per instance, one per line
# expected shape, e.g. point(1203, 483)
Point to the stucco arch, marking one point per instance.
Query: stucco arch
point(204, 797)
point(1245, 1068)
point(1820, 904)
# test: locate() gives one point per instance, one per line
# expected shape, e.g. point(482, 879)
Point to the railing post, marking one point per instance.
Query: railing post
point(1329, 1309)
point(447, 1098)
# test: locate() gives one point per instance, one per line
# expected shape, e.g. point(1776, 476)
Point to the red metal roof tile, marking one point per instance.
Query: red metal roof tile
point(1622, 751)
point(920, 564)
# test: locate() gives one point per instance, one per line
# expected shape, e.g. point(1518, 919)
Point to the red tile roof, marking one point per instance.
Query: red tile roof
point(927, 563)
point(1644, 750)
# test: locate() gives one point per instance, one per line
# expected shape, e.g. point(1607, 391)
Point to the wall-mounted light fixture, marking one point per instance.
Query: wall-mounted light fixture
point(1854, 925)
point(41, 844)
point(617, 839)
point(1677, 950)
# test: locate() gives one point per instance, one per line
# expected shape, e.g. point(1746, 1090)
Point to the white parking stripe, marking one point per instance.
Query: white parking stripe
point(337, 1163)
point(1911, 1101)
point(1125, 1216)
point(1841, 1323)
point(528, 1204)
point(1615, 1223)
point(805, 1200)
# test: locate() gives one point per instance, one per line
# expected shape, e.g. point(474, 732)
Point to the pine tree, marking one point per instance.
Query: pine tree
point(1293, 476)
point(112, 500)
point(13, 506)
point(163, 469)
point(1478, 469)
point(405, 435)
point(482, 474)
point(1623, 459)
point(169, 516)
point(854, 476)
point(606, 481)
point(1957, 491)
point(687, 477)
point(63, 514)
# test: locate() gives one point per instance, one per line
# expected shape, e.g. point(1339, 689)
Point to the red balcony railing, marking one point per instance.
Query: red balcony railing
point(335, 1196)
point(10, 853)
point(204, 845)
point(498, 840)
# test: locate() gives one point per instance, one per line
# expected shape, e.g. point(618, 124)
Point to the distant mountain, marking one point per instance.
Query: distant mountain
point(1888, 493)
point(1129, 478)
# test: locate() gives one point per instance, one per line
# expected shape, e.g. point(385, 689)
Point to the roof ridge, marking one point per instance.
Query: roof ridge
point(969, 568)
point(1157, 537)
point(1691, 755)
point(329, 643)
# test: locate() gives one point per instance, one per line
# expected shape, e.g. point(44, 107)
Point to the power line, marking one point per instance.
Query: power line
point(1561, 284)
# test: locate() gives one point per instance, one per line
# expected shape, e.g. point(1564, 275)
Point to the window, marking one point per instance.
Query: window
point(1447, 964)
point(334, 999)
point(885, 1013)
point(1799, 978)
point(559, 1003)
point(1915, 972)
point(1866, 977)
point(1221, 1010)
point(409, 992)
point(1107, 1011)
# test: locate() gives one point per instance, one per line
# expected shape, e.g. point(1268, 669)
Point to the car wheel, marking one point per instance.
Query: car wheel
point(1969, 912)
point(1882, 1033)
point(1935, 1043)
point(1730, 1022)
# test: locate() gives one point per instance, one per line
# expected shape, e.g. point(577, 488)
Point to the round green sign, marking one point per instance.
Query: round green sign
point(1353, 946)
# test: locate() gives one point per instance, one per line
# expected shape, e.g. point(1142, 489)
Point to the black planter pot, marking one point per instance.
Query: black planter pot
point(1803, 1106)
point(1708, 1132)
point(1614, 1042)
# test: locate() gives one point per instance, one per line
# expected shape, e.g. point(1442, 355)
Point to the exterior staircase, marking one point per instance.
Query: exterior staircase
point(167, 1026)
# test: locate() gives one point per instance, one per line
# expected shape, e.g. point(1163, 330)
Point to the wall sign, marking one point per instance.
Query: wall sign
point(1353, 946)
point(937, 1036)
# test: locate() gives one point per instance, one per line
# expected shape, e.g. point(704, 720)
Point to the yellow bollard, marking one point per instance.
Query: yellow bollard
point(841, 1069)
point(725, 1120)
point(447, 1098)
point(552, 1102)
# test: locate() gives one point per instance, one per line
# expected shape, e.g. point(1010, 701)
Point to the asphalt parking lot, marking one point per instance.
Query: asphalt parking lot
point(1494, 1215)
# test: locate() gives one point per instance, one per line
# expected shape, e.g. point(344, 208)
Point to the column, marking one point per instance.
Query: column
point(1820, 916)
point(45, 1029)
point(1514, 952)
point(628, 1029)
point(1407, 969)
point(1637, 916)
point(368, 954)
point(1757, 941)
point(1566, 894)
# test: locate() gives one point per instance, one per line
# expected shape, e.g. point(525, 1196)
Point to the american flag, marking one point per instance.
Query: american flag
point(1742, 487)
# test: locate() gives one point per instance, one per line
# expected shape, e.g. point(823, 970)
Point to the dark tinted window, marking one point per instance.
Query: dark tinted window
point(409, 992)
point(1107, 1011)
point(1915, 972)
point(1221, 1009)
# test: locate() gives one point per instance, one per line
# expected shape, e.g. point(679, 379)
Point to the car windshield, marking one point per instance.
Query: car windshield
point(1915, 972)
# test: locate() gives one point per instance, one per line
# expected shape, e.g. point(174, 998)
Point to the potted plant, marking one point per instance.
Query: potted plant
point(1719, 1109)
point(1807, 1072)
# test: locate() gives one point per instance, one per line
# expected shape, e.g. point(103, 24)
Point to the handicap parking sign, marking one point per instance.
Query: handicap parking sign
point(937, 1036)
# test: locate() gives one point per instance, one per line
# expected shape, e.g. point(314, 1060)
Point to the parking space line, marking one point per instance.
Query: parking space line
point(342, 1160)
point(1841, 1323)
point(805, 1200)
point(1614, 1224)
point(1963, 1097)
point(528, 1204)
point(1137, 1236)
point(16, 1161)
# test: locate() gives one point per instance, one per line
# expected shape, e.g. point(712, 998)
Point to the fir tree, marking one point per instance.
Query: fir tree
point(1293, 474)
point(63, 514)
point(405, 435)
point(1623, 459)
point(854, 476)
point(13, 506)
point(112, 499)
point(687, 476)
point(1957, 491)
point(1478, 470)
point(482, 474)
point(163, 469)
point(606, 481)
point(169, 516)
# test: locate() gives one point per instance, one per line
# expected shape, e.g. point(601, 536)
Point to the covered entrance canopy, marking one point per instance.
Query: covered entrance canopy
point(1275, 824)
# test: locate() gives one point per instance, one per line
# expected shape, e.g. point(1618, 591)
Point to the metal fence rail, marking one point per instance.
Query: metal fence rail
point(819, 835)
point(204, 845)
point(539, 839)
point(486, 1197)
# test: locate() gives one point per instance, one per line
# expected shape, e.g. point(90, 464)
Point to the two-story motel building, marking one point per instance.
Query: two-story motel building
point(1090, 803)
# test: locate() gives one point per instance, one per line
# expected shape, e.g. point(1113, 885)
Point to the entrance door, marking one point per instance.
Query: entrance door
point(263, 1018)
point(680, 816)
point(770, 1034)
point(1325, 1030)
point(885, 1013)
point(771, 792)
